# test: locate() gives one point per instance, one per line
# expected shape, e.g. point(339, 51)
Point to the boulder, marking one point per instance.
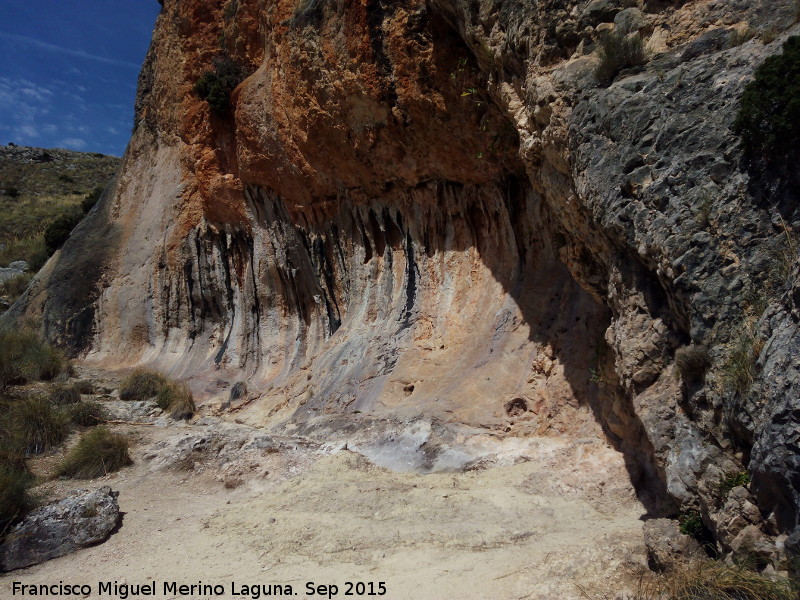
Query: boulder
point(753, 544)
point(667, 547)
point(19, 265)
point(81, 519)
point(630, 20)
point(7, 273)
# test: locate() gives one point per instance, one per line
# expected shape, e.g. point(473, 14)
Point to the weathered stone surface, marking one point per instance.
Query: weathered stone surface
point(432, 207)
point(631, 20)
point(81, 519)
point(667, 547)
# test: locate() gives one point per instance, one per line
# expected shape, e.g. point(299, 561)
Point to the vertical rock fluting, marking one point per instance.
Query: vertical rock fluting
point(433, 207)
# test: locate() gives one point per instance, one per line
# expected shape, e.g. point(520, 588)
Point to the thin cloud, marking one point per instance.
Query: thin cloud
point(73, 143)
point(79, 53)
point(26, 132)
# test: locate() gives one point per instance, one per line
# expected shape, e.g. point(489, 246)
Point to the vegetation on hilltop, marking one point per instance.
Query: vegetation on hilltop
point(43, 195)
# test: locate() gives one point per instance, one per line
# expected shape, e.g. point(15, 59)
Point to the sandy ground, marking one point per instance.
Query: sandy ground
point(559, 518)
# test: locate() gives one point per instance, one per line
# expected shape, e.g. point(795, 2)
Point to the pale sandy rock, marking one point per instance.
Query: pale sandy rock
point(81, 519)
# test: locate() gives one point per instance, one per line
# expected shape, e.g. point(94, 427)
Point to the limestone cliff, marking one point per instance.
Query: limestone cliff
point(434, 207)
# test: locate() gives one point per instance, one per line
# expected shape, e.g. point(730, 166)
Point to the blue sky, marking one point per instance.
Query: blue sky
point(69, 69)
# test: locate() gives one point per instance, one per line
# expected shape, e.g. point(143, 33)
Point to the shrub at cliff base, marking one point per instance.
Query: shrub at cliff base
point(97, 453)
point(86, 414)
point(64, 394)
point(177, 399)
point(141, 385)
point(35, 425)
point(24, 358)
point(769, 117)
point(170, 396)
point(15, 479)
point(15, 501)
point(59, 230)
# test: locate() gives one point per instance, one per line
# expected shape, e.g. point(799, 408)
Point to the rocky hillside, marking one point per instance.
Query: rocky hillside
point(381, 209)
point(37, 186)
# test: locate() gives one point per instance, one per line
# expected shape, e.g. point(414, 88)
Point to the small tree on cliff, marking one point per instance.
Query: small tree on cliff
point(215, 86)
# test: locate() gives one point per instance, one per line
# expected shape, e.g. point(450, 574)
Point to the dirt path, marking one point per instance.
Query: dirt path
point(564, 516)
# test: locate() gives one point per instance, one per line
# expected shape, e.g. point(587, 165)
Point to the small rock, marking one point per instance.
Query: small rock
point(81, 519)
point(752, 543)
point(239, 390)
point(667, 547)
point(630, 20)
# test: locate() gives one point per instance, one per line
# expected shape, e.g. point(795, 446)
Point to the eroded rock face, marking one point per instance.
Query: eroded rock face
point(432, 207)
point(81, 519)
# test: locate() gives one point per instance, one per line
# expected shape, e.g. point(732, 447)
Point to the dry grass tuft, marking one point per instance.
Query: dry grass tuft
point(618, 52)
point(24, 357)
point(177, 399)
point(170, 395)
point(142, 384)
point(97, 453)
point(692, 362)
point(13, 288)
point(740, 368)
point(86, 414)
point(34, 425)
point(64, 394)
point(711, 581)
point(15, 501)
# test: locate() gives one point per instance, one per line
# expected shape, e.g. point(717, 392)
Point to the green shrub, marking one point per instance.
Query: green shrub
point(64, 394)
point(618, 52)
point(38, 255)
point(12, 455)
point(91, 199)
point(59, 230)
point(141, 385)
point(691, 523)
point(728, 482)
point(12, 450)
point(15, 501)
point(170, 396)
point(24, 357)
point(86, 414)
point(692, 362)
point(177, 399)
point(769, 116)
point(12, 192)
point(37, 425)
point(97, 453)
point(215, 86)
